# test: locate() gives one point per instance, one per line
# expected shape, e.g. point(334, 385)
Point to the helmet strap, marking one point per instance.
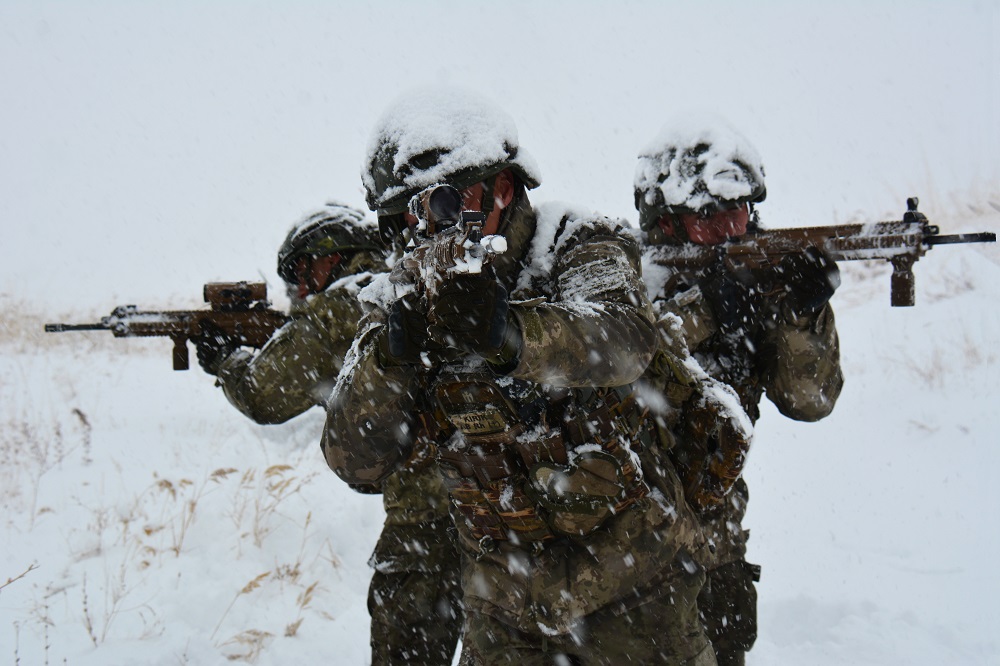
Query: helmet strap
point(488, 202)
point(754, 223)
point(675, 228)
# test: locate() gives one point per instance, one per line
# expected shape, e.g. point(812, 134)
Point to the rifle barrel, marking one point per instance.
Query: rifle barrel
point(981, 237)
point(59, 328)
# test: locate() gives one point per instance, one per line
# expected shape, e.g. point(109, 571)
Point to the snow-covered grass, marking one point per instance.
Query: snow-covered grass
point(147, 522)
point(154, 524)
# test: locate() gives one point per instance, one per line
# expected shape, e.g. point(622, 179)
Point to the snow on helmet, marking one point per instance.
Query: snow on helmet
point(439, 135)
point(333, 228)
point(696, 169)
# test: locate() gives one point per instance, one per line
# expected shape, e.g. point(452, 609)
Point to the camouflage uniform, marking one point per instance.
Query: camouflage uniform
point(797, 366)
point(414, 597)
point(763, 349)
point(573, 547)
point(297, 367)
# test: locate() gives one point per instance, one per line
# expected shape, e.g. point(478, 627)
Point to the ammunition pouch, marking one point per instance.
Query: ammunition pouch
point(578, 497)
point(514, 483)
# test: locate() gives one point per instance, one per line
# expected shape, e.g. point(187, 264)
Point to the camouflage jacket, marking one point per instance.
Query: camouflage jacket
point(541, 463)
point(795, 363)
point(297, 368)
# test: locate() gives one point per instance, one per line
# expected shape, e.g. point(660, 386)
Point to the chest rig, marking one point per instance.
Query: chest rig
point(507, 439)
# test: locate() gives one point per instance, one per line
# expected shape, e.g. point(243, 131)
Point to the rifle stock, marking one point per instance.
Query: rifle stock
point(238, 309)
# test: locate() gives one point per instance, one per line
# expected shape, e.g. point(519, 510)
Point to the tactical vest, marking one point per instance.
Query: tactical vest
point(512, 443)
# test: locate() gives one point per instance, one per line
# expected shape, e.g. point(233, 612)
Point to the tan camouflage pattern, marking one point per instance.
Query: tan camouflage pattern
point(371, 424)
point(585, 322)
point(415, 597)
point(593, 328)
point(296, 368)
point(662, 630)
point(797, 363)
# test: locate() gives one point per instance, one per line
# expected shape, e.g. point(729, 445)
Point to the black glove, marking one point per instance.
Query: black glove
point(735, 297)
point(406, 332)
point(810, 278)
point(213, 346)
point(470, 313)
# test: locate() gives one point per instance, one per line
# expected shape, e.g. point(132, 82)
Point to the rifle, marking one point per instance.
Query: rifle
point(900, 242)
point(238, 309)
point(447, 240)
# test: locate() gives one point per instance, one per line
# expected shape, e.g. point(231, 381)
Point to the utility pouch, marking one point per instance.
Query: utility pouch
point(580, 496)
point(547, 447)
point(484, 468)
point(477, 408)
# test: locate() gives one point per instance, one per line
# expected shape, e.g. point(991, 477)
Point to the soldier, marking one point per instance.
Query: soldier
point(414, 598)
point(768, 331)
point(574, 552)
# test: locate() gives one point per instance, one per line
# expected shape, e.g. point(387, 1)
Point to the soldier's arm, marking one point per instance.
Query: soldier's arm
point(297, 368)
point(369, 432)
point(597, 329)
point(803, 377)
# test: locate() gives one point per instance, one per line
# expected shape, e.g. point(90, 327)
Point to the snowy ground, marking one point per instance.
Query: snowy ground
point(155, 525)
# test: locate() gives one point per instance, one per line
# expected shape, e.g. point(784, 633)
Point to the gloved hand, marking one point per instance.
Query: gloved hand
point(213, 347)
point(470, 313)
point(810, 278)
point(735, 298)
point(406, 334)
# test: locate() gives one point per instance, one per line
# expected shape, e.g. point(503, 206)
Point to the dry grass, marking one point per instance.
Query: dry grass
point(123, 541)
point(14, 579)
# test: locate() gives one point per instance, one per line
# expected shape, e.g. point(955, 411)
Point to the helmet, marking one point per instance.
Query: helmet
point(333, 228)
point(696, 170)
point(439, 135)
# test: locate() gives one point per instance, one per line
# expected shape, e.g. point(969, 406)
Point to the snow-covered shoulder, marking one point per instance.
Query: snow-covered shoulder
point(382, 292)
point(353, 284)
point(558, 225)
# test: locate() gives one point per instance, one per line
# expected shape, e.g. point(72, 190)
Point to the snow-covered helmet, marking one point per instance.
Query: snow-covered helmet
point(438, 135)
point(699, 170)
point(333, 228)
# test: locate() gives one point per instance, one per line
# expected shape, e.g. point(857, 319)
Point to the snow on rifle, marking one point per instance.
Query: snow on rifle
point(240, 310)
point(900, 242)
point(446, 240)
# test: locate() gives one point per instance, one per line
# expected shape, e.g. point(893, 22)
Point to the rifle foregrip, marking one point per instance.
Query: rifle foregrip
point(902, 283)
point(181, 359)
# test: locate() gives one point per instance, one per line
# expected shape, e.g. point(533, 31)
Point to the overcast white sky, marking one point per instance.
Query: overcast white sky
point(146, 148)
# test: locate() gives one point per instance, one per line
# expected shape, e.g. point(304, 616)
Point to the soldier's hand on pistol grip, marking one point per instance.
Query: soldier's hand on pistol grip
point(810, 279)
point(213, 347)
point(472, 313)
